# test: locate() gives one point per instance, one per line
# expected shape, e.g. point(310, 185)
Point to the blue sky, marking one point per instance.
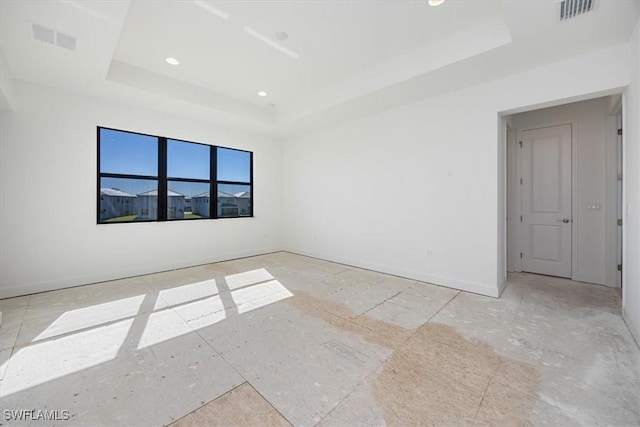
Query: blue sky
point(128, 153)
point(233, 165)
point(134, 154)
point(186, 160)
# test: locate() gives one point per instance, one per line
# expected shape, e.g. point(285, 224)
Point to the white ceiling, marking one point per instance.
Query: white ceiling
point(333, 39)
point(337, 51)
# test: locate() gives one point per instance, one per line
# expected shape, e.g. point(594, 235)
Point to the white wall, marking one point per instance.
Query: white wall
point(631, 197)
point(6, 84)
point(414, 190)
point(592, 144)
point(48, 232)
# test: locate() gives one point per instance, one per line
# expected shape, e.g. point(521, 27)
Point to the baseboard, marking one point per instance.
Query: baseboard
point(634, 329)
point(477, 288)
point(448, 282)
point(70, 282)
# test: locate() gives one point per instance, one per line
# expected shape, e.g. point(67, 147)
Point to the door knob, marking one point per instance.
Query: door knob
point(565, 220)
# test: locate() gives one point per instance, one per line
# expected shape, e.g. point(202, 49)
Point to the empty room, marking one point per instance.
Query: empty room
point(427, 213)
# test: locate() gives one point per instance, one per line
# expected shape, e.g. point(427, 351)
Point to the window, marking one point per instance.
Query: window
point(152, 178)
point(189, 175)
point(234, 183)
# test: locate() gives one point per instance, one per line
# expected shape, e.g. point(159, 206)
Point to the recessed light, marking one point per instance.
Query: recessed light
point(262, 93)
point(436, 2)
point(172, 61)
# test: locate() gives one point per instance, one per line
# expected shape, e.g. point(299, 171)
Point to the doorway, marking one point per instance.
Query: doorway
point(562, 194)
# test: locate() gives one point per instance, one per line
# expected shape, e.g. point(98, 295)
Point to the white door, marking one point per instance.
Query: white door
point(546, 201)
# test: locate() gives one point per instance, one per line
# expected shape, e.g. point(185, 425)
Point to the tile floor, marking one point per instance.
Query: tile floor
point(282, 339)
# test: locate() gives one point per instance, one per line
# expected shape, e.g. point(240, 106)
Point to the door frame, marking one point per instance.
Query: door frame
point(615, 166)
point(515, 228)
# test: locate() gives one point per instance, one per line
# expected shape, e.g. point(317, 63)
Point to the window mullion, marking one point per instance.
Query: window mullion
point(213, 176)
point(98, 199)
point(251, 184)
point(162, 179)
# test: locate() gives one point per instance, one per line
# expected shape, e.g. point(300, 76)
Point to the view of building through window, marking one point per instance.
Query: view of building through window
point(149, 178)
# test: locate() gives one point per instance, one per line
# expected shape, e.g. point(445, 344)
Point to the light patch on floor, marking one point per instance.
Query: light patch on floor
point(240, 280)
point(242, 406)
point(186, 293)
point(55, 358)
point(256, 296)
point(95, 315)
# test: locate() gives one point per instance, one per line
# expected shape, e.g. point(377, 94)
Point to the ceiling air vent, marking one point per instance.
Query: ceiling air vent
point(53, 37)
point(43, 34)
point(66, 41)
point(571, 8)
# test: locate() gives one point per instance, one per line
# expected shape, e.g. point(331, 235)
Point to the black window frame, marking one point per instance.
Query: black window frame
point(163, 180)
